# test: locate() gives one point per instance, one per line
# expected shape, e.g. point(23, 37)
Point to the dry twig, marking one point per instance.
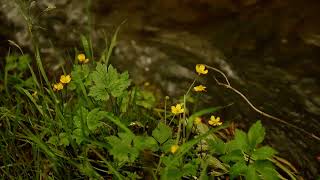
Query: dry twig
point(227, 85)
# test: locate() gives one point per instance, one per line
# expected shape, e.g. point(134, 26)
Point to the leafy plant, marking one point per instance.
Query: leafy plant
point(244, 155)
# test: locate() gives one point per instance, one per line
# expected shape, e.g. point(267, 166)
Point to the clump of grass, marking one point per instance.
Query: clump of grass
point(92, 122)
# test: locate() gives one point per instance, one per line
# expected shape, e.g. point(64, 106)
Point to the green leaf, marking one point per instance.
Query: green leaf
point(238, 169)
point(256, 134)
point(145, 99)
point(162, 133)
point(217, 146)
point(142, 143)
point(93, 119)
point(23, 62)
point(171, 173)
point(122, 148)
point(53, 140)
point(79, 74)
point(263, 153)
point(107, 81)
point(78, 136)
point(167, 145)
point(251, 173)
point(241, 140)
point(266, 169)
point(233, 156)
point(64, 139)
point(86, 46)
point(191, 168)
point(90, 120)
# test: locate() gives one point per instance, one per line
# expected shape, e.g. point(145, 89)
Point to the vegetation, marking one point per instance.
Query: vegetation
point(92, 122)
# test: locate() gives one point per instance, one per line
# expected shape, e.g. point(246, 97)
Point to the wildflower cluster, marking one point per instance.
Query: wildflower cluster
point(64, 79)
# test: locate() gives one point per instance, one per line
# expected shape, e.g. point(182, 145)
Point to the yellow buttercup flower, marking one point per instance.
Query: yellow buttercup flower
point(215, 121)
point(58, 86)
point(174, 149)
point(197, 120)
point(177, 109)
point(199, 88)
point(65, 79)
point(201, 69)
point(82, 58)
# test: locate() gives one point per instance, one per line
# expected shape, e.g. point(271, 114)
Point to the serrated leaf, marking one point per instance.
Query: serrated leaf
point(217, 146)
point(53, 140)
point(145, 99)
point(263, 153)
point(251, 173)
point(64, 140)
point(241, 140)
point(266, 169)
point(91, 119)
point(191, 168)
point(256, 134)
point(237, 169)
point(233, 156)
point(141, 143)
point(79, 74)
point(121, 147)
point(167, 145)
point(107, 81)
point(171, 173)
point(162, 133)
point(78, 136)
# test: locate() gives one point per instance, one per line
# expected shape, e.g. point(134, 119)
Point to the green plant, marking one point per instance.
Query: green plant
point(244, 156)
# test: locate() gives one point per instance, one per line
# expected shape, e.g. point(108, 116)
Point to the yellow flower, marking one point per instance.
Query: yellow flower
point(177, 109)
point(215, 121)
point(58, 86)
point(82, 58)
point(199, 88)
point(197, 120)
point(201, 69)
point(65, 79)
point(174, 149)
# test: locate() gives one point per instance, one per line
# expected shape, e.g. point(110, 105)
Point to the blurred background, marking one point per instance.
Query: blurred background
point(269, 49)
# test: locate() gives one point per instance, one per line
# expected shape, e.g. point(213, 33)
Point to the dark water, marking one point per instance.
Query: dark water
point(270, 50)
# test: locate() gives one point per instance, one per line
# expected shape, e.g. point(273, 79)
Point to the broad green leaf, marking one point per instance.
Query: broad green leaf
point(93, 119)
point(251, 173)
point(217, 146)
point(171, 173)
point(241, 140)
point(239, 168)
point(90, 120)
point(233, 156)
point(141, 143)
point(167, 145)
point(23, 62)
point(79, 74)
point(266, 169)
point(264, 152)
point(78, 136)
point(64, 139)
point(162, 133)
point(256, 134)
point(53, 140)
point(145, 99)
point(107, 81)
point(121, 147)
point(191, 168)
